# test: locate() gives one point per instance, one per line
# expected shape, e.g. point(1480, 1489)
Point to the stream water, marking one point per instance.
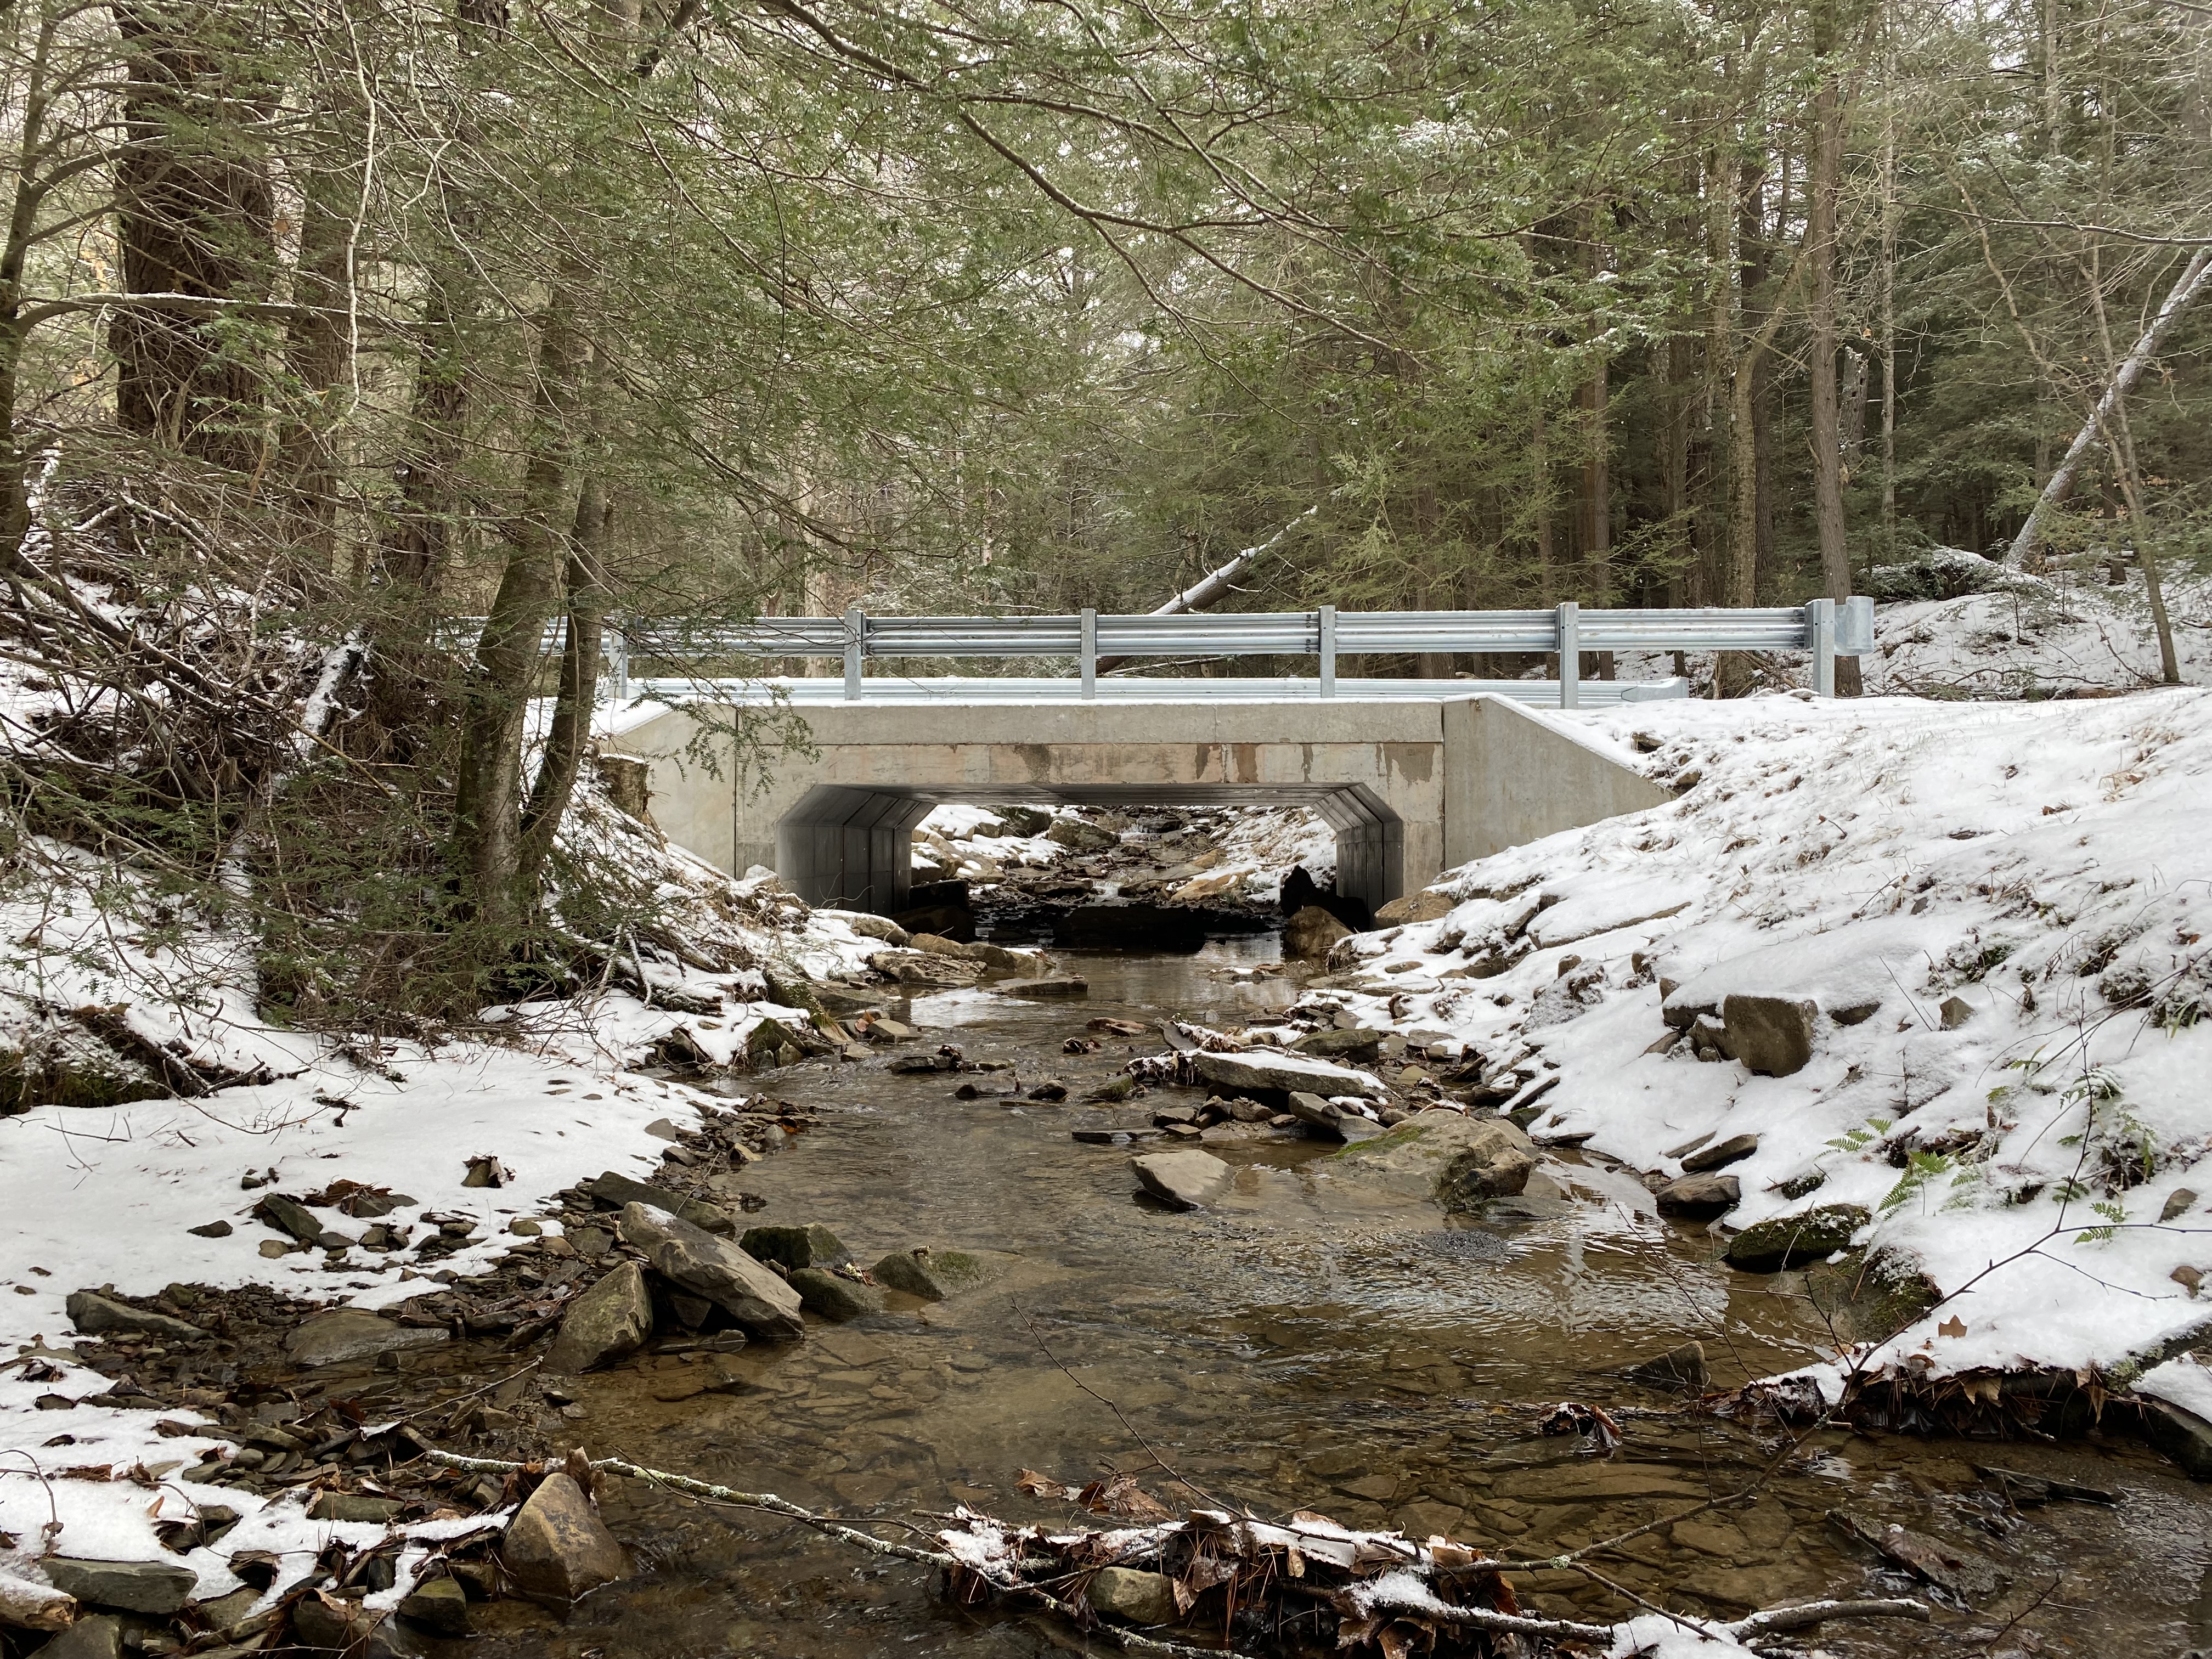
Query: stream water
point(1300, 1346)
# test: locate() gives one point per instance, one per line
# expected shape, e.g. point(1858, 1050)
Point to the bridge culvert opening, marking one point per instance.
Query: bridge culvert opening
point(1134, 876)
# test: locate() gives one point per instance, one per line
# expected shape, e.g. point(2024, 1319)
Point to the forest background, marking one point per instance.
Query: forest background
point(324, 329)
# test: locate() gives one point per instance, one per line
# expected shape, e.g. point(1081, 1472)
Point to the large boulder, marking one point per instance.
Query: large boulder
point(100, 1637)
point(1311, 933)
point(1791, 1241)
point(1428, 905)
point(695, 1261)
point(1131, 1596)
point(1331, 1121)
point(810, 1246)
point(1076, 836)
point(1273, 1068)
point(155, 1587)
point(1054, 987)
point(621, 1189)
point(1456, 1161)
point(610, 1321)
point(933, 1275)
point(1353, 1043)
point(93, 1314)
point(331, 1338)
point(832, 1296)
point(1773, 1034)
point(556, 1547)
point(1187, 1180)
point(1734, 1150)
point(1698, 1197)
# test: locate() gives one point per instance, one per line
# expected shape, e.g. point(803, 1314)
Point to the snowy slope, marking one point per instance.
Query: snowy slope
point(2044, 864)
point(2025, 635)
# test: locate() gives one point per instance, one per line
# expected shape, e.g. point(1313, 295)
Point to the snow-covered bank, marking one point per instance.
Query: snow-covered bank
point(1998, 912)
point(162, 1189)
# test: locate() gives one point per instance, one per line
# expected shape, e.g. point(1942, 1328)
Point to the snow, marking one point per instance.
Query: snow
point(1656, 1635)
point(2041, 863)
point(2032, 635)
point(957, 842)
point(1263, 846)
point(106, 1196)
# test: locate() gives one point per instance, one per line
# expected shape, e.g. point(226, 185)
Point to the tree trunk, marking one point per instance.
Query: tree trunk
point(318, 346)
point(1539, 462)
point(489, 783)
point(2191, 282)
point(569, 732)
point(193, 215)
point(1889, 216)
point(1597, 458)
point(2120, 443)
point(1824, 177)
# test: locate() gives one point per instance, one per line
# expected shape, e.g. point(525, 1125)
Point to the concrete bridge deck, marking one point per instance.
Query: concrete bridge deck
point(1410, 786)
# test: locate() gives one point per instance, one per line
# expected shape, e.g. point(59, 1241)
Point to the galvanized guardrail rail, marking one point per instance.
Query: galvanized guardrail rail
point(1826, 628)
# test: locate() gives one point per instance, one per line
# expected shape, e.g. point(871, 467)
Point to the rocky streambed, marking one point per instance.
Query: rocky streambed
point(907, 1274)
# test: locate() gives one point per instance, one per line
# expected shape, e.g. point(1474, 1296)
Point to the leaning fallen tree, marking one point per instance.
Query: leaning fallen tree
point(1212, 1584)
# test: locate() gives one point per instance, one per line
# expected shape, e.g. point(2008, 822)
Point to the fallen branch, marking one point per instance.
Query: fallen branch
point(998, 1556)
point(1807, 1614)
point(2191, 282)
point(822, 1523)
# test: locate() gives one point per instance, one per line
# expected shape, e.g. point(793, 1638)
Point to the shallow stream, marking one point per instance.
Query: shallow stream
point(1301, 1345)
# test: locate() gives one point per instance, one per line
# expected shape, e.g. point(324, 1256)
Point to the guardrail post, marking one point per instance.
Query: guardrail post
point(1854, 627)
point(856, 645)
point(1571, 655)
point(1328, 651)
point(1821, 641)
point(1089, 653)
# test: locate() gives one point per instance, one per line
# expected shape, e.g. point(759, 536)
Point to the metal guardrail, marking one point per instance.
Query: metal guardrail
point(1827, 629)
point(949, 688)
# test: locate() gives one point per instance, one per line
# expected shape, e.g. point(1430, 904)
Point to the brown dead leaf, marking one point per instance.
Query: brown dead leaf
point(1033, 1484)
point(1953, 1326)
point(1119, 1495)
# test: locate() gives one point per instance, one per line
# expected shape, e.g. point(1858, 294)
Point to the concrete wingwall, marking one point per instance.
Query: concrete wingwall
point(1410, 788)
point(1513, 776)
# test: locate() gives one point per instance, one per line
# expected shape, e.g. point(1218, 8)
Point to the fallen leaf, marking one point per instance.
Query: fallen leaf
point(1953, 1326)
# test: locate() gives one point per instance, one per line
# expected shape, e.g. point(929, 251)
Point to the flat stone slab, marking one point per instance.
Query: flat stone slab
point(697, 1261)
point(1335, 1122)
point(1454, 1161)
point(1054, 987)
point(350, 1333)
point(620, 1189)
point(92, 1313)
point(157, 1588)
point(1187, 1180)
point(1262, 1069)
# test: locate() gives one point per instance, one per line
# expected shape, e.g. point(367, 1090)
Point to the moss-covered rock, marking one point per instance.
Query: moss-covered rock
point(1870, 1300)
point(1790, 1241)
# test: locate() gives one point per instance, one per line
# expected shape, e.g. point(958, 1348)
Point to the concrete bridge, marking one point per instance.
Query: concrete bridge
point(1415, 776)
point(1410, 786)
